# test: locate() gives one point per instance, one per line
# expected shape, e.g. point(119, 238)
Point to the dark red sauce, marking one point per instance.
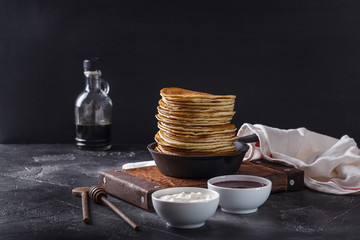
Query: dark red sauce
point(239, 184)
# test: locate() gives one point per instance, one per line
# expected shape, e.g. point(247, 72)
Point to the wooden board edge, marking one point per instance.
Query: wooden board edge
point(295, 177)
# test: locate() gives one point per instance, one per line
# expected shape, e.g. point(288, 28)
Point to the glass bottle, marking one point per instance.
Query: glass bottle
point(93, 110)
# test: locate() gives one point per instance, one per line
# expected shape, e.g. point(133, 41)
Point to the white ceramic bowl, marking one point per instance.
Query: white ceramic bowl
point(241, 200)
point(185, 214)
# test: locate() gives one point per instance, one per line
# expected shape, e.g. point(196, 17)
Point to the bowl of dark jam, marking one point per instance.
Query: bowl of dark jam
point(240, 194)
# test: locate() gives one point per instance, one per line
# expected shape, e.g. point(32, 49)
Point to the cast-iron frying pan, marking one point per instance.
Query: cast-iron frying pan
point(185, 166)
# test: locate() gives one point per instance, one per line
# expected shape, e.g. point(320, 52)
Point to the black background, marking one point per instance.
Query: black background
point(290, 63)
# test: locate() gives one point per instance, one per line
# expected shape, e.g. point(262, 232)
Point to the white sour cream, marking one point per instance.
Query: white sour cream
point(187, 197)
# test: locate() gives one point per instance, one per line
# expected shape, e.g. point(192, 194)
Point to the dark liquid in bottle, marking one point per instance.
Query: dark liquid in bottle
point(93, 137)
point(239, 184)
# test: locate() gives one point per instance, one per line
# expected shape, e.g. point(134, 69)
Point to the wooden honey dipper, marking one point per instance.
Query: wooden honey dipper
point(99, 195)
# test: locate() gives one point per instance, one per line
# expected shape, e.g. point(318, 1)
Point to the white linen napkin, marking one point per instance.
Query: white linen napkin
point(330, 165)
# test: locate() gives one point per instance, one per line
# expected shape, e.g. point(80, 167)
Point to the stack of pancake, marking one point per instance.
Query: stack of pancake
point(195, 123)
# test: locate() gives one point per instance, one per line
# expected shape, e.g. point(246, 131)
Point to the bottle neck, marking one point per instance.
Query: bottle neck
point(93, 80)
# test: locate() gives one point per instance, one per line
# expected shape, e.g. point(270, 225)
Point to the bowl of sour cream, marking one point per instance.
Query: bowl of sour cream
point(185, 207)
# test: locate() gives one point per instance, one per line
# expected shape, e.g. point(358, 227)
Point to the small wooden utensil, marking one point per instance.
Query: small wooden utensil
point(83, 193)
point(99, 195)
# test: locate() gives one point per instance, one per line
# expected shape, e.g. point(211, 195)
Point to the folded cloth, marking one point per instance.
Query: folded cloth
point(330, 165)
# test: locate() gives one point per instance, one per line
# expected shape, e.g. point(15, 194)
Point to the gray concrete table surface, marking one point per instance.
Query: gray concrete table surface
point(36, 203)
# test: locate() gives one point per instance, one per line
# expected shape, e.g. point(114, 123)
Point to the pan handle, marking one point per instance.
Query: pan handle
point(248, 139)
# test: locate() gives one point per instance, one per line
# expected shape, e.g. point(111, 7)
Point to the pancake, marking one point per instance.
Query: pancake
point(195, 147)
point(174, 151)
point(188, 138)
point(198, 102)
point(180, 93)
point(191, 115)
point(196, 116)
point(197, 130)
point(192, 122)
point(195, 123)
point(195, 108)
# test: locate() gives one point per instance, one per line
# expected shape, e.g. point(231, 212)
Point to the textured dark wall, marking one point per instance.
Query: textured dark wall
point(290, 63)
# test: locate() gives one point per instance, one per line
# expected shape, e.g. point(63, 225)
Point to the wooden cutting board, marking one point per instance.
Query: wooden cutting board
point(136, 185)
